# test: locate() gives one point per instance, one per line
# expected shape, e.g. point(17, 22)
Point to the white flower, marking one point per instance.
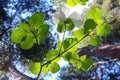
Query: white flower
point(60, 15)
point(77, 14)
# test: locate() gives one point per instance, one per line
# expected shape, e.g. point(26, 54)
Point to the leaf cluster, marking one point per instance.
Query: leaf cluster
point(33, 32)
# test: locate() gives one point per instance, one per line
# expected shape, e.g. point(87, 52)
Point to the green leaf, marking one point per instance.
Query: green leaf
point(63, 45)
point(60, 46)
point(72, 57)
point(28, 42)
point(79, 65)
point(69, 43)
point(83, 2)
point(67, 56)
point(95, 14)
point(24, 38)
point(73, 46)
point(54, 67)
point(24, 26)
point(52, 54)
point(61, 27)
point(89, 25)
point(79, 34)
point(94, 41)
point(45, 69)
point(17, 35)
point(100, 22)
point(103, 30)
point(36, 20)
point(35, 68)
point(83, 57)
point(42, 32)
point(87, 64)
point(72, 2)
point(66, 44)
point(69, 24)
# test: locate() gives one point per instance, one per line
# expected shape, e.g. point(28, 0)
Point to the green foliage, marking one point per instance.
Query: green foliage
point(87, 64)
point(95, 14)
point(94, 41)
point(103, 30)
point(71, 57)
point(17, 35)
point(79, 34)
point(69, 25)
point(52, 54)
point(45, 69)
point(75, 2)
point(36, 20)
point(42, 32)
point(67, 44)
point(61, 27)
point(24, 26)
point(28, 34)
point(82, 2)
point(33, 32)
point(70, 43)
point(72, 2)
point(28, 41)
point(59, 46)
point(35, 68)
point(65, 25)
point(54, 67)
point(79, 65)
point(89, 25)
point(100, 22)
point(83, 58)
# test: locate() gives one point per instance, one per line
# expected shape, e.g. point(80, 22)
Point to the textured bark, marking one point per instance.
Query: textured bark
point(112, 51)
point(17, 75)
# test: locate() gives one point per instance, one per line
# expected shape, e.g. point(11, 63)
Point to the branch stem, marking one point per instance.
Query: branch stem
point(60, 53)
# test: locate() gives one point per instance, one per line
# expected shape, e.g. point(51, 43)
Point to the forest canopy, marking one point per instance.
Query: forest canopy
point(90, 38)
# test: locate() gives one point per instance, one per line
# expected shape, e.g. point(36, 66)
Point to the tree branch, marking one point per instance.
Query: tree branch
point(112, 51)
point(17, 75)
point(104, 62)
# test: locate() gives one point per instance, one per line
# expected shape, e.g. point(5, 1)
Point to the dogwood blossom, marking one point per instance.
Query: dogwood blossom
point(74, 13)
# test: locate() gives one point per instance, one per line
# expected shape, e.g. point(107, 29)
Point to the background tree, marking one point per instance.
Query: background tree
point(11, 12)
point(10, 53)
point(102, 69)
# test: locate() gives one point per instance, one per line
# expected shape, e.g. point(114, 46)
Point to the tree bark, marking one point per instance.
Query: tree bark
point(15, 74)
point(111, 51)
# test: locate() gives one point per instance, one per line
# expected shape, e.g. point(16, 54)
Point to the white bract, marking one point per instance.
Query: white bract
point(77, 14)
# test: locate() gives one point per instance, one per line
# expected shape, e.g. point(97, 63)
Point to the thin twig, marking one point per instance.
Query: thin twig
point(104, 62)
point(62, 52)
point(35, 36)
point(56, 56)
point(39, 72)
point(66, 50)
point(63, 38)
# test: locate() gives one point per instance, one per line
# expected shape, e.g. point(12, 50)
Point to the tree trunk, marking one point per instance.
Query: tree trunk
point(112, 51)
point(17, 75)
